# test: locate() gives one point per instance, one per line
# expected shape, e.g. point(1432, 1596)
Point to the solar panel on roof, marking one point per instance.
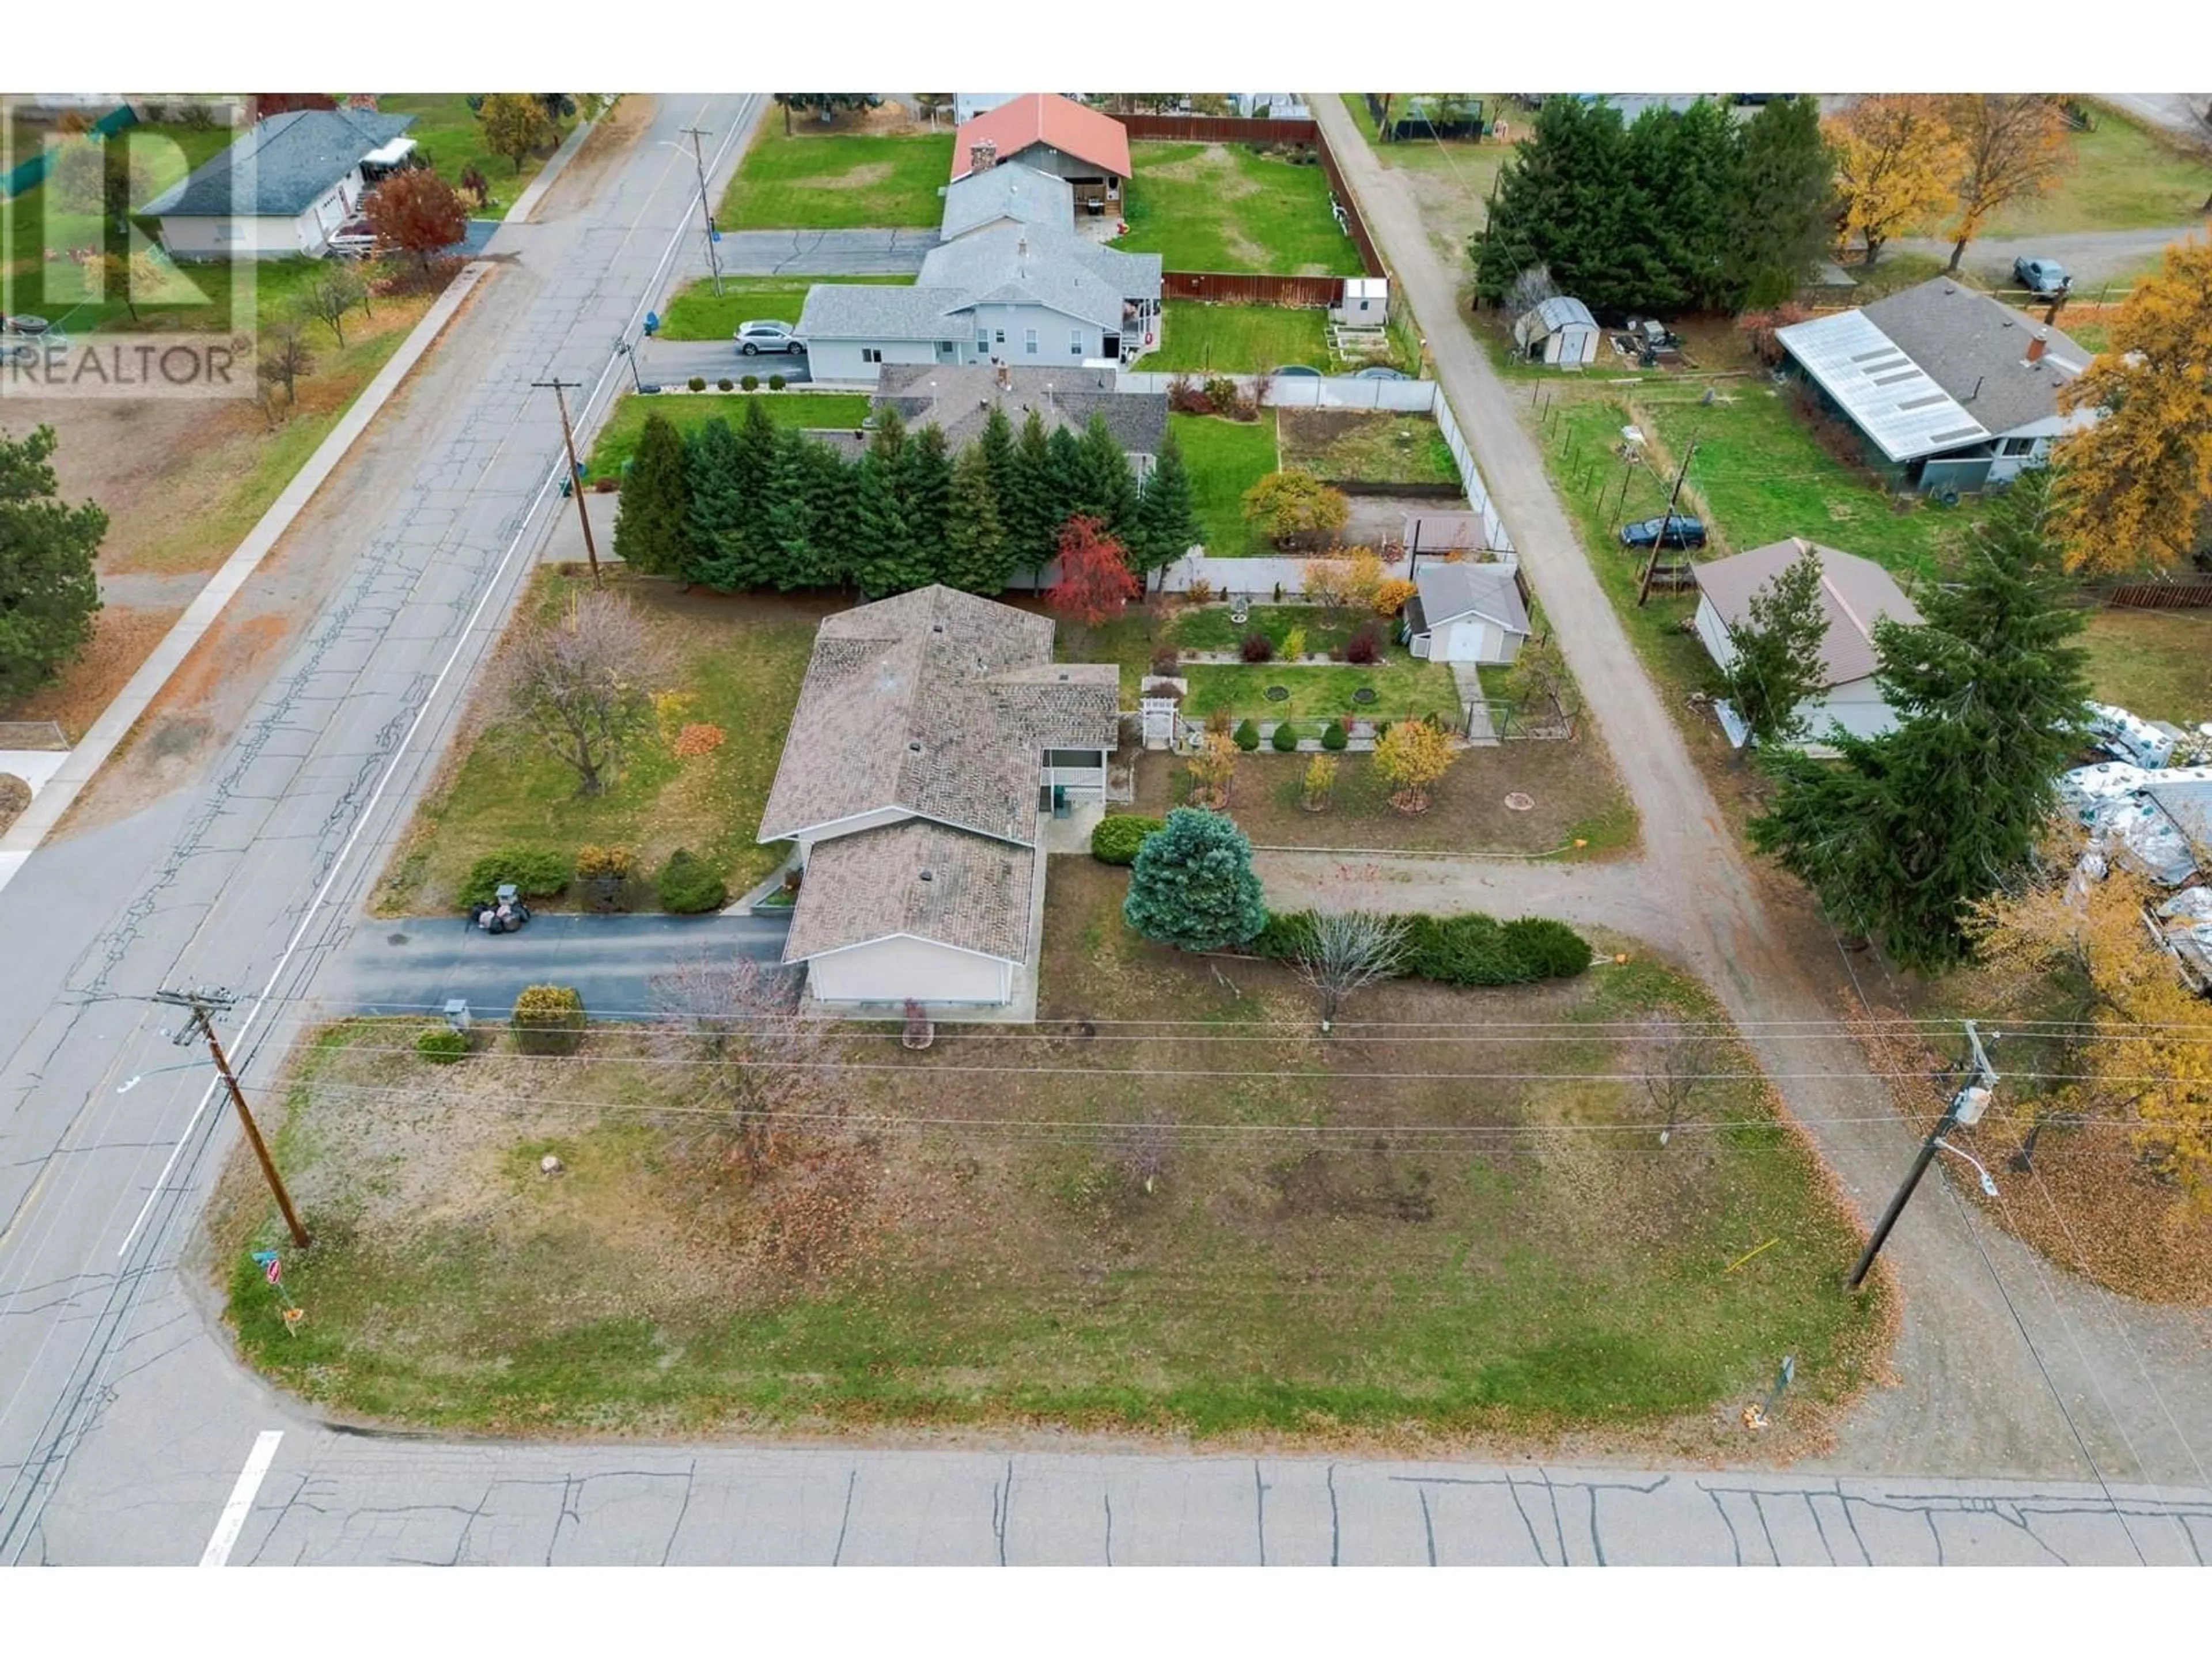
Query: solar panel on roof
point(1949, 433)
point(1893, 379)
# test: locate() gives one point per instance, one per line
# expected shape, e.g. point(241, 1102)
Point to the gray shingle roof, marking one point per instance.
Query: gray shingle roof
point(1453, 589)
point(866, 310)
point(1039, 265)
point(1064, 705)
point(281, 166)
point(1854, 592)
point(1009, 191)
point(958, 400)
point(914, 877)
point(899, 710)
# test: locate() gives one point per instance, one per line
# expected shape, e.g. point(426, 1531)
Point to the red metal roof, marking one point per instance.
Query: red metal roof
point(1046, 118)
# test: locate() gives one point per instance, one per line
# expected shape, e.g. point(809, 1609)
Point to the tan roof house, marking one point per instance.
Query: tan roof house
point(1855, 593)
point(932, 732)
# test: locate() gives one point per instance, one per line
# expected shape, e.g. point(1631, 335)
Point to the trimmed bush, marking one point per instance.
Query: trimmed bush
point(1118, 835)
point(1257, 647)
point(535, 872)
point(1166, 661)
point(1334, 737)
point(775, 383)
point(1549, 949)
point(1285, 738)
point(688, 887)
point(1364, 646)
point(442, 1045)
point(549, 1020)
point(697, 383)
point(1248, 737)
point(1284, 936)
point(723, 385)
point(604, 863)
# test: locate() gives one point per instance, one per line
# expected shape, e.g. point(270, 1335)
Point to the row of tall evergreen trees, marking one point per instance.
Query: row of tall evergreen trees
point(1679, 211)
point(756, 505)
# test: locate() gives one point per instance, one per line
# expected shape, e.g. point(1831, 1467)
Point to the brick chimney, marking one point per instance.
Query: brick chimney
point(982, 157)
point(2038, 345)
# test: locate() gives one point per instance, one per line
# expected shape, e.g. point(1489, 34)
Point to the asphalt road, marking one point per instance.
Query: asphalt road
point(824, 252)
point(416, 964)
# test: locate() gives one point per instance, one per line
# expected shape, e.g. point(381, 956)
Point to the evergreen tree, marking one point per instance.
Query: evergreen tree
point(1782, 218)
point(1166, 525)
point(1777, 652)
point(1063, 477)
point(977, 555)
point(1025, 512)
point(887, 559)
point(925, 486)
point(1105, 489)
point(756, 439)
point(652, 527)
point(1902, 836)
point(799, 548)
point(1557, 200)
point(826, 481)
point(1192, 884)
point(724, 552)
point(997, 442)
point(48, 591)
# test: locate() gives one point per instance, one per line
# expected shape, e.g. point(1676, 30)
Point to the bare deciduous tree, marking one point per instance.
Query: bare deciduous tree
point(1677, 1058)
point(337, 289)
point(732, 1039)
point(1530, 289)
point(282, 356)
point(582, 682)
point(1348, 944)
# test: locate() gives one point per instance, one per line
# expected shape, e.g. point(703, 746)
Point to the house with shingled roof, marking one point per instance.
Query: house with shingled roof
point(285, 188)
point(1050, 134)
point(933, 737)
point(1855, 594)
point(1949, 389)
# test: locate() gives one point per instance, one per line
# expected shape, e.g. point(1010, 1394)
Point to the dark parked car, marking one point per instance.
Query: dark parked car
point(2044, 278)
point(1676, 530)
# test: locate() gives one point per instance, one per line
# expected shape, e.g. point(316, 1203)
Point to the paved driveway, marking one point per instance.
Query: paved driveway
point(824, 252)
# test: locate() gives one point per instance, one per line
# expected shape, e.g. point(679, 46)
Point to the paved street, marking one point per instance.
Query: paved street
point(2004, 1365)
point(824, 252)
point(2096, 257)
point(416, 963)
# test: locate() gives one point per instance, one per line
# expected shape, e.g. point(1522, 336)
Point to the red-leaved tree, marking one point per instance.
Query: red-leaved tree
point(1096, 583)
point(416, 211)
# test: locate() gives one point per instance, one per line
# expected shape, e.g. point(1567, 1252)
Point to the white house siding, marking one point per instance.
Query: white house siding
point(1713, 633)
point(893, 969)
point(1857, 705)
point(1054, 331)
point(840, 359)
point(266, 237)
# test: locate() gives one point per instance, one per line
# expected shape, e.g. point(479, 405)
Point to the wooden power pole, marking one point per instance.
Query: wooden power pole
point(706, 211)
point(204, 1005)
point(1666, 518)
point(560, 389)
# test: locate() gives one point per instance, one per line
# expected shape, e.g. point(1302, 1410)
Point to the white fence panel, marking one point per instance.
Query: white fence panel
point(1470, 479)
point(1309, 391)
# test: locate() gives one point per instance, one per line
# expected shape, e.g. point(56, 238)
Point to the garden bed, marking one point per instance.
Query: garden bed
point(1344, 1242)
point(1359, 447)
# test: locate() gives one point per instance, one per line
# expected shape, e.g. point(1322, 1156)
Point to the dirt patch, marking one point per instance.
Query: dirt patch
point(15, 796)
point(1367, 446)
point(859, 177)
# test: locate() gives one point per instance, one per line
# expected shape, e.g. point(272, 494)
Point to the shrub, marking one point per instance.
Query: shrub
point(604, 863)
point(688, 886)
point(1248, 737)
point(723, 385)
point(1200, 591)
point(750, 382)
point(1166, 661)
point(1319, 783)
point(1221, 394)
point(1362, 648)
point(1548, 949)
point(442, 1045)
point(1217, 723)
point(697, 383)
point(1257, 647)
point(535, 872)
point(1185, 398)
point(1279, 593)
point(1192, 885)
point(1161, 688)
point(1391, 594)
point(1284, 936)
point(775, 383)
point(549, 1020)
point(1334, 737)
point(1285, 738)
point(1118, 835)
point(1294, 645)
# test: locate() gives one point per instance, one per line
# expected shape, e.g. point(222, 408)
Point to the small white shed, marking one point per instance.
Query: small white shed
point(1463, 611)
point(1366, 302)
point(1560, 331)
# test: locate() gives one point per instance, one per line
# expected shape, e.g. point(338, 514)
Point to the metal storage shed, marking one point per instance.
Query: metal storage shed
point(1560, 330)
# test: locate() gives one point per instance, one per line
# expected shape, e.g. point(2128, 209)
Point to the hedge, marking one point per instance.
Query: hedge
point(535, 872)
point(1118, 835)
point(442, 1045)
point(1284, 736)
point(1464, 949)
point(690, 887)
point(549, 1020)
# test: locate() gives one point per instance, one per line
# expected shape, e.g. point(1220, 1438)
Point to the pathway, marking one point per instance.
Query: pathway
point(2103, 1385)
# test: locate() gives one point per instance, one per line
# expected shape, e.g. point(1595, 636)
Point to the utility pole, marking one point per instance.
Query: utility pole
point(575, 484)
point(1651, 564)
point(1966, 1106)
point(203, 1004)
point(706, 212)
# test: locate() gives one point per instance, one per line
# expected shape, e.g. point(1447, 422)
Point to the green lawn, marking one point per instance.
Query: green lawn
point(448, 130)
point(2123, 178)
point(2153, 662)
point(741, 659)
point(1405, 688)
point(1300, 1255)
point(1225, 458)
point(1208, 627)
point(837, 182)
point(1237, 339)
point(699, 314)
point(1219, 207)
point(618, 437)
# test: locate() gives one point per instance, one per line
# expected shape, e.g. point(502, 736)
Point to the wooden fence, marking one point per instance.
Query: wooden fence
point(2162, 596)
point(1369, 256)
point(1219, 130)
point(1237, 287)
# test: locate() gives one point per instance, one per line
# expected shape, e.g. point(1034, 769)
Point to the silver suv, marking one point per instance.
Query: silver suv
point(754, 338)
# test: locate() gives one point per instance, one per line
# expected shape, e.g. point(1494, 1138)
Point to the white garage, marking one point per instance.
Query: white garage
point(1461, 611)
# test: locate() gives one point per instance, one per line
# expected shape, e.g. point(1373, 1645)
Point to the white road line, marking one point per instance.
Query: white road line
point(233, 1518)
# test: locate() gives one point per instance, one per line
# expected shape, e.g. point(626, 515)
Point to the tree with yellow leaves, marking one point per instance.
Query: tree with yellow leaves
point(1211, 769)
point(2130, 489)
point(2064, 945)
point(1411, 757)
point(1897, 163)
point(2012, 146)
